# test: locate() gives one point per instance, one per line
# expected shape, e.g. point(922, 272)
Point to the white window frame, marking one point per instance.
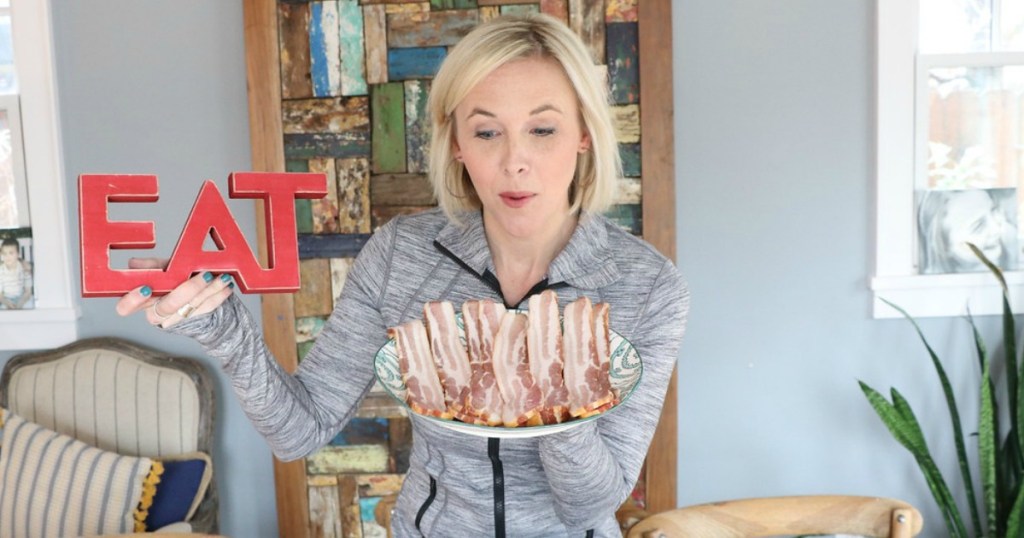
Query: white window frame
point(897, 129)
point(54, 320)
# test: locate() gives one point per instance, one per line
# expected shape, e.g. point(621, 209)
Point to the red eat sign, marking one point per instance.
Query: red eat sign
point(210, 217)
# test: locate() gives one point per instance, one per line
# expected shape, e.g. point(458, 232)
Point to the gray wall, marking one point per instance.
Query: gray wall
point(774, 195)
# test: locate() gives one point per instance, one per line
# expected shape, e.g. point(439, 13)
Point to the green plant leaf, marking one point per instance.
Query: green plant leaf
point(1013, 524)
point(947, 391)
point(992, 418)
point(987, 446)
point(899, 418)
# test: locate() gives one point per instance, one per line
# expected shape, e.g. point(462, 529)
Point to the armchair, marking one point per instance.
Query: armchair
point(119, 397)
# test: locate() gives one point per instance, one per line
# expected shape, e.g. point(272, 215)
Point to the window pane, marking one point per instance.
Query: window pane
point(8, 181)
point(8, 80)
point(975, 168)
point(955, 26)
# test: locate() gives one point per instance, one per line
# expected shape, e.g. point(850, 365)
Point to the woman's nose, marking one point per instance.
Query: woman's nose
point(516, 160)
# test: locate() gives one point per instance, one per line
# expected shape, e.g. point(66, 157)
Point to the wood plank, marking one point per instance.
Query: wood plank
point(353, 195)
point(381, 404)
point(324, 517)
point(430, 29)
point(620, 11)
point(324, 49)
point(348, 459)
point(350, 30)
point(417, 126)
point(362, 431)
point(659, 214)
point(303, 206)
point(382, 214)
point(465, 4)
point(627, 216)
point(439, 5)
point(374, 516)
point(498, 2)
point(314, 297)
point(626, 120)
point(263, 71)
point(366, 2)
point(520, 9)
point(630, 155)
point(325, 210)
point(339, 274)
point(489, 13)
point(558, 9)
point(293, 21)
point(313, 145)
point(388, 113)
point(337, 115)
point(409, 7)
point(313, 246)
point(322, 480)
point(623, 65)
point(379, 485)
point(308, 328)
point(401, 190)
point(586, 18)
point(376, 42)
point(404, 64)
point(628, 190)
point(351, 519)
point(400, 439)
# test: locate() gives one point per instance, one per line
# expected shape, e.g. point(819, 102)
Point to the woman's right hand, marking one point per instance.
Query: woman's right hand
point(201, 294)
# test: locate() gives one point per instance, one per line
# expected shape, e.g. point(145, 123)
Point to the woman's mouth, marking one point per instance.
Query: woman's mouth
point(516, 199)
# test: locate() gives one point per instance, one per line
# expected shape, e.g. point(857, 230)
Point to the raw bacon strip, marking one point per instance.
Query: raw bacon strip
point(585, 370)
point(521, 394)
point(482, 402)
point(425, 395)
point(449, 354)
point(544, 346)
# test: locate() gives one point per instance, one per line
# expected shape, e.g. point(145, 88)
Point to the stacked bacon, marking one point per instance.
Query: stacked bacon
point(515, 369)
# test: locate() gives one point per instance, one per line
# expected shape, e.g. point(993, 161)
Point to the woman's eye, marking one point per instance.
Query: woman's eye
point(486, 135)
point(544, 131)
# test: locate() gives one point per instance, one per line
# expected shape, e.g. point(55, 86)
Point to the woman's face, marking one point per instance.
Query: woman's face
point(518, 132)
point(973, 216)
point(9, 256)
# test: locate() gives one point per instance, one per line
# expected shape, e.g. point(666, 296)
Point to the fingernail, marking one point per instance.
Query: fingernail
point(225, 277)
point(146, 291)
point(231, 284)
point(207, 276)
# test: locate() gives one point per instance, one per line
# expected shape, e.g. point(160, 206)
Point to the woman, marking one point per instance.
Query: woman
point(949, 220)
point(523, 158)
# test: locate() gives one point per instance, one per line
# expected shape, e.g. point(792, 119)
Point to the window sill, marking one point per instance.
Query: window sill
point(946, 295)
point(39, 328)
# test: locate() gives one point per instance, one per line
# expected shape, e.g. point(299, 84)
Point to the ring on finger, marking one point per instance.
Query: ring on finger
point(186, 310)
point(160, 317)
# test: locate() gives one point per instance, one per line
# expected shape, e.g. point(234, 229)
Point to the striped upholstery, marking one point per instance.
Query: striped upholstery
point(52, 485)
point(120, 397)
point(111, 400)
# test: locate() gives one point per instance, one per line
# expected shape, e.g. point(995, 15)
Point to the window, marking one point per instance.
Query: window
point(32, 202)
point(950, 154)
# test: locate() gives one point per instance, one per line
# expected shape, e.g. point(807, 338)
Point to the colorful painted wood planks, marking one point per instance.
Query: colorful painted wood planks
point(324, 48)
point(401, 190)
point(388, 112)
point(376, 42)
point(558, 9)
point(586, 18)
point(421, 62)
point(314, 246)
point(431, 29)
point(293, 46)
point(630, 155)
point(417, 126)
point(620, 10)
point(623, 65)
point(350, 30)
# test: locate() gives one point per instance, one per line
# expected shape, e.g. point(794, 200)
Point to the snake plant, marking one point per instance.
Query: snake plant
point(1000, 459)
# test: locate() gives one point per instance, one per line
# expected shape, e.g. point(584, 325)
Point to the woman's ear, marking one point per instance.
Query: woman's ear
point(584, 143)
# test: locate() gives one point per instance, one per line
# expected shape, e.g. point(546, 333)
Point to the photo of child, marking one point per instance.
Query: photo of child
point(950, 219)
point(15, 277)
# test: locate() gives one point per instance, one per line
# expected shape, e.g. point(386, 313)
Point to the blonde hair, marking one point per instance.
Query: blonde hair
point(488, 47)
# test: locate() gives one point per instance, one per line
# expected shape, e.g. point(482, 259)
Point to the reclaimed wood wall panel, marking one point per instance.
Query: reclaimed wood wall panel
point(364, 121)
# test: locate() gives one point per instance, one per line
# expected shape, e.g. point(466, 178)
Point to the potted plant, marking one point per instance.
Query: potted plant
point(1000, 459)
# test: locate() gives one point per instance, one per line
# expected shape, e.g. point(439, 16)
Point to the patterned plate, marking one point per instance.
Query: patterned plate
point(626, 369)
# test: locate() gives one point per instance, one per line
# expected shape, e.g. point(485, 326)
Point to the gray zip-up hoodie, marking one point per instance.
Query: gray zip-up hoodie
point(563, 484)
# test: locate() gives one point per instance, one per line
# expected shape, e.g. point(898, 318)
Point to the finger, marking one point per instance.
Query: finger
point(135, 300)
point(188, 299)
point(147, 263)
point(213, 296)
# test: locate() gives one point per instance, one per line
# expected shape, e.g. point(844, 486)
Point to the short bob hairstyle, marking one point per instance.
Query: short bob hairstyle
point(488, 47)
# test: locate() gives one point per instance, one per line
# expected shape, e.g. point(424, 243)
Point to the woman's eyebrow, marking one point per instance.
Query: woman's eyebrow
point(545, 108)
point(534, 112)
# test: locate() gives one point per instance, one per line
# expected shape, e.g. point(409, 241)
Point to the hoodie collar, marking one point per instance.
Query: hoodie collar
point(586, 262)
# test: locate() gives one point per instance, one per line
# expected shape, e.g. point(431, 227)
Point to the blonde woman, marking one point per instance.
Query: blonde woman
point(523, 160)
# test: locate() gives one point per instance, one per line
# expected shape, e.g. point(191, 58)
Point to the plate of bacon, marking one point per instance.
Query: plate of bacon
point(492, 372)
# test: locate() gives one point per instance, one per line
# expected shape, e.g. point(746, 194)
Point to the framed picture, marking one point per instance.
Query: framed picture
point(950, 219)
point(17, 291)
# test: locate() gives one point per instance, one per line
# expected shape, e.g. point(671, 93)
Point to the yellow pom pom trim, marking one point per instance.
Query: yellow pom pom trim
point(148, 492)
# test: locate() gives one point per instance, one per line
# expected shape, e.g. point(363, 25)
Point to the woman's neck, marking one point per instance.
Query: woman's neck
point(521, 262)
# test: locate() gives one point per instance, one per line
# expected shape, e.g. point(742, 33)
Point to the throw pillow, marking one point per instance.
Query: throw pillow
point(180, 490)
point(54, 485)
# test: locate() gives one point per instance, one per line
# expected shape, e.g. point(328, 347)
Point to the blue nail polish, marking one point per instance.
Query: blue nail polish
point(225, 277)
point(231, 284)
point(146, 291)
point(207, 276)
